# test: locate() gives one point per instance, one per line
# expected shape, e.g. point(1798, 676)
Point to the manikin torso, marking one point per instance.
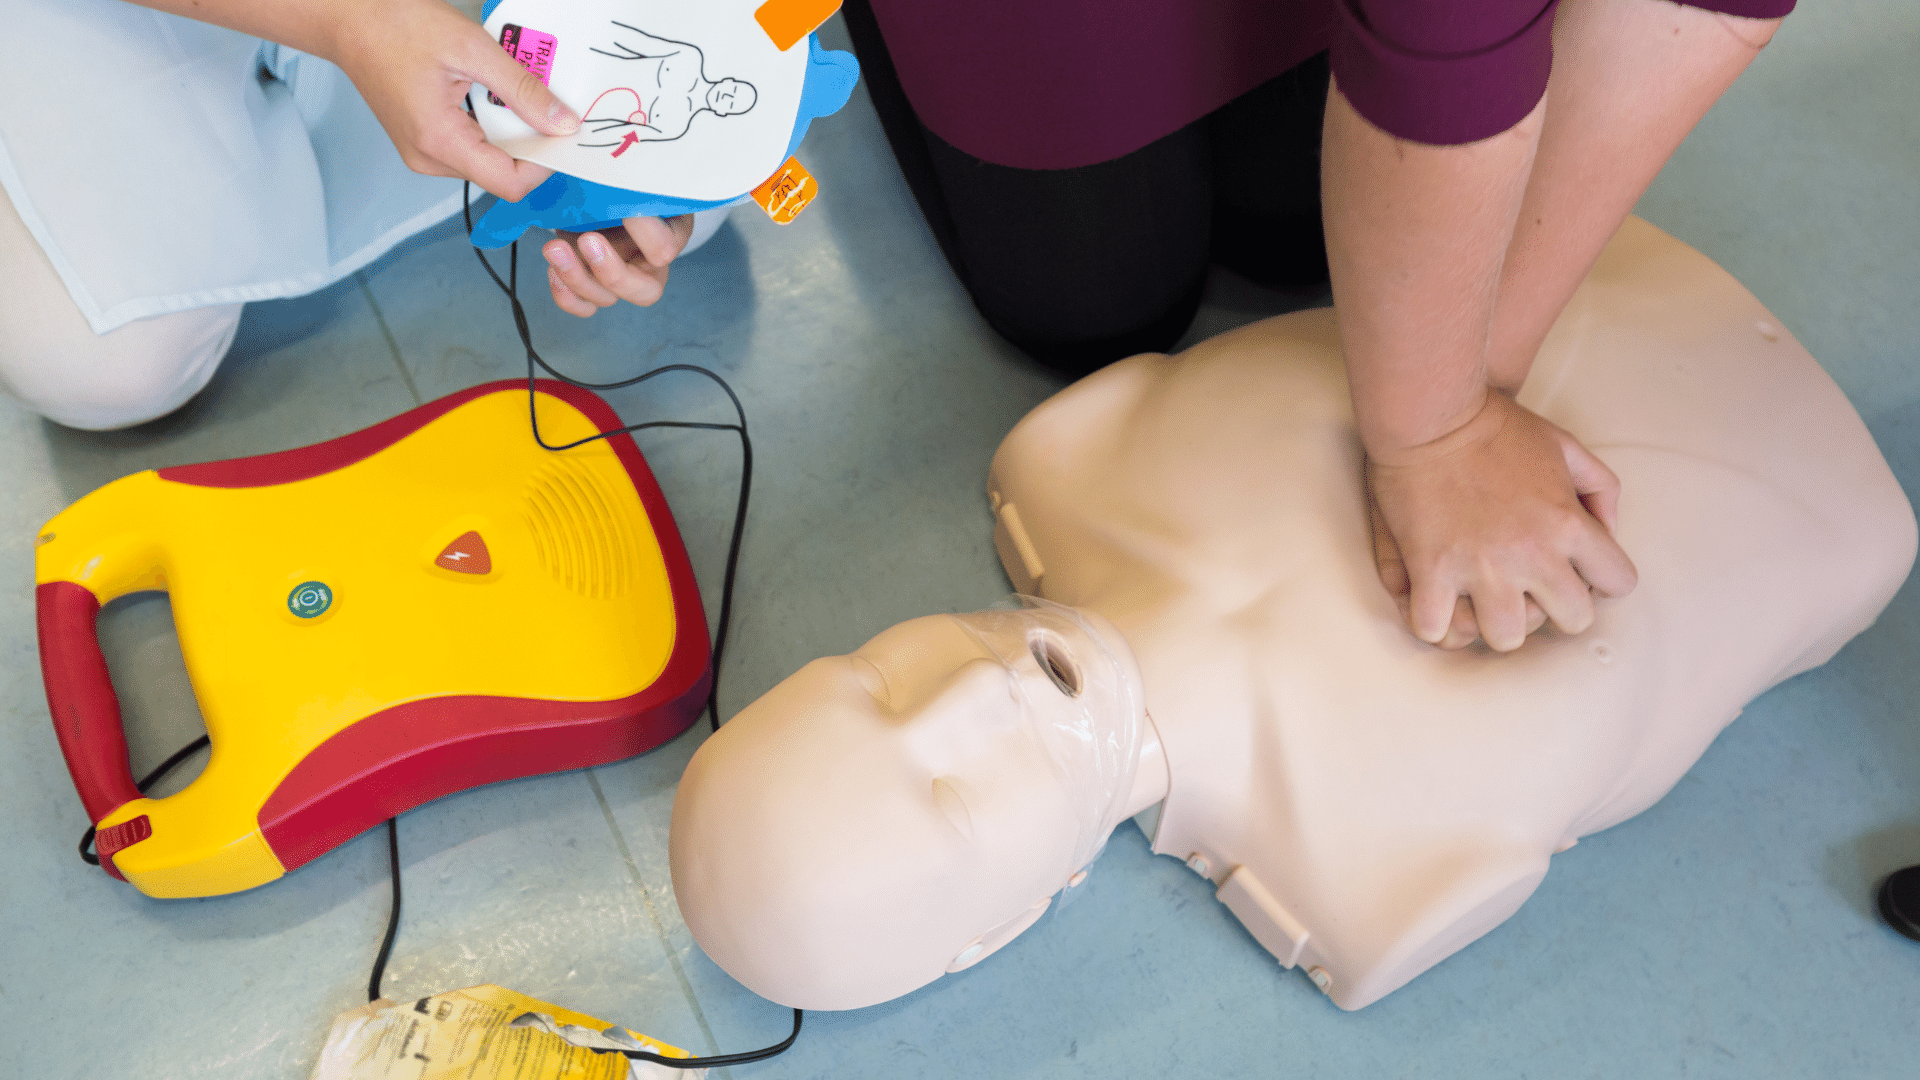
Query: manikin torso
point(1368, 804)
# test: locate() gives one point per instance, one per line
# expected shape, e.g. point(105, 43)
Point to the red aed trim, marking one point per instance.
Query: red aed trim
point(110, 841)
point(80, 697)
point(307, 462)
point(411, 754)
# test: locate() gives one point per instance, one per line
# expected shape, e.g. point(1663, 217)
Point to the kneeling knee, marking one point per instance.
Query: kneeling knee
point(1073, 347)
point(134, 374)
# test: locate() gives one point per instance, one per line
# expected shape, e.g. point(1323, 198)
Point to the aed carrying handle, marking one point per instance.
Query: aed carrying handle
point(80, 696)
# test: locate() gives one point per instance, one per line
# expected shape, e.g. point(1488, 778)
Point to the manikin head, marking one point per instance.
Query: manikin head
point(730, 96)
point(878, 819)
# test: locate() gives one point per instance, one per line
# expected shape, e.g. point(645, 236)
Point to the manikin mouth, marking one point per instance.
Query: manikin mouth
point(1094, 723)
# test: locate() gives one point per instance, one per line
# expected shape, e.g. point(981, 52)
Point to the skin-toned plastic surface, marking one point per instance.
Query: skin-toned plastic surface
point(1365, 803)
point(878, 819)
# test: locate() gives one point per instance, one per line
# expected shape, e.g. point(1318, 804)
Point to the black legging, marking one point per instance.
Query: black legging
point(1080, 267)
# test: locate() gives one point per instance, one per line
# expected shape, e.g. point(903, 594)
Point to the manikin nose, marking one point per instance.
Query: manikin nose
point(967, 720)
point(976, 683)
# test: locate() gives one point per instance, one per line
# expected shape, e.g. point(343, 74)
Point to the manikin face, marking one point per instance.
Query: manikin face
point(729, 96)
point(878, 819)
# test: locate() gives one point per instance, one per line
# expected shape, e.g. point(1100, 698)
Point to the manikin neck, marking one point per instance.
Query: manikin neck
point(1152, 782)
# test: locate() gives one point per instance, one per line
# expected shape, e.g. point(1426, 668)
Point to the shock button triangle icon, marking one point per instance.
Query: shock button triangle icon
point(467, 554)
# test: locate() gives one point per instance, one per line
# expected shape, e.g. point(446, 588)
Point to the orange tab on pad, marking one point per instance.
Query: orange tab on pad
point(787, 191)
point(787, 21)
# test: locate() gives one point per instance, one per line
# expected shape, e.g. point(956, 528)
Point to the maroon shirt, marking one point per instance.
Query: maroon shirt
point(1053, 84)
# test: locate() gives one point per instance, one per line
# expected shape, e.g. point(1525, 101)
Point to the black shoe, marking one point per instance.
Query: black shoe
point(1900, 901)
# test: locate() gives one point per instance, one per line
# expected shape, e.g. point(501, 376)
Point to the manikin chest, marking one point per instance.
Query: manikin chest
point(1366, 804)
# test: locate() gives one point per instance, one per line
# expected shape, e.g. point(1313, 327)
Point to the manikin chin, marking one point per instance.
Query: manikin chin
point(1215, 654)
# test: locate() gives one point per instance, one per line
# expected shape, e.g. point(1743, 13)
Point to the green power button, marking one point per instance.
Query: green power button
point(310, 599)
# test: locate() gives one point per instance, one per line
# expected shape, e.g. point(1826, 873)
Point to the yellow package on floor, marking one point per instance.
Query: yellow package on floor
point(484, 1033)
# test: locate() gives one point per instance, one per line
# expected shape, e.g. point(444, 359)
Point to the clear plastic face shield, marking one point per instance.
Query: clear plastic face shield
point(1083, 701)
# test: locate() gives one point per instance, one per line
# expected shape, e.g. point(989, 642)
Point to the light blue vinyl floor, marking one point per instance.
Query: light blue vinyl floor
point(1727, 932)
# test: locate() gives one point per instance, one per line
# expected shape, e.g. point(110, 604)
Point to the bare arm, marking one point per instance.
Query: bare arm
point(413, 61)
point(300, 24)
point(1415, 239)
point(1487, 518)
point(1477, 502)
point(1630, 79)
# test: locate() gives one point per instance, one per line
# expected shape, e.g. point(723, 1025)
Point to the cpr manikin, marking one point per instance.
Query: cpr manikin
point(1215, 652)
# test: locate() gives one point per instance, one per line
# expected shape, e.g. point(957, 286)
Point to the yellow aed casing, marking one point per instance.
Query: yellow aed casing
point(431, 604)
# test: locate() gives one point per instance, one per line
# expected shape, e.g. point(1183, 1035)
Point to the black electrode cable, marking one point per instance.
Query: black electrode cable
point(393, 913)
point(721, 1061)
point(393, 859)
point(147, 781)
point(511, 287)
point(714, 1061)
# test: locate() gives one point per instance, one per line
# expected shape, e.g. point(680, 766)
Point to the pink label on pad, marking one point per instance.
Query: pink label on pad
point(533, 48)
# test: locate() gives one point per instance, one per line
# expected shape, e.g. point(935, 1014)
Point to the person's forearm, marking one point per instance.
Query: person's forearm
point(1416, 237)
point(308, 25)
point(1630, 79)
point(414, 62)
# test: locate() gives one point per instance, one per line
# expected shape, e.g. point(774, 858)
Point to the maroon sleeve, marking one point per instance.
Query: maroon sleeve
point(1747, 9)
point(1444, 71)
point(1447, 72)
point(1056, 84)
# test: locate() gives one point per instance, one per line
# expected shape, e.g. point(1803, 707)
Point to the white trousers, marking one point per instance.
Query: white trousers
point(53, 362)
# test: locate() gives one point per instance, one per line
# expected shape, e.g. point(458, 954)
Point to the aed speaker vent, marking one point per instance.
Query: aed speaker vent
point(583, 529)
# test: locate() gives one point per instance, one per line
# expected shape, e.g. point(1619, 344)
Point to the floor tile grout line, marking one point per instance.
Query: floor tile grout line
point(393, 347)
point(653, 913)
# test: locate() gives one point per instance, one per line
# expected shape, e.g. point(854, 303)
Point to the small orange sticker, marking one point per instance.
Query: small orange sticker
point(787, 191)
point(787, 21)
